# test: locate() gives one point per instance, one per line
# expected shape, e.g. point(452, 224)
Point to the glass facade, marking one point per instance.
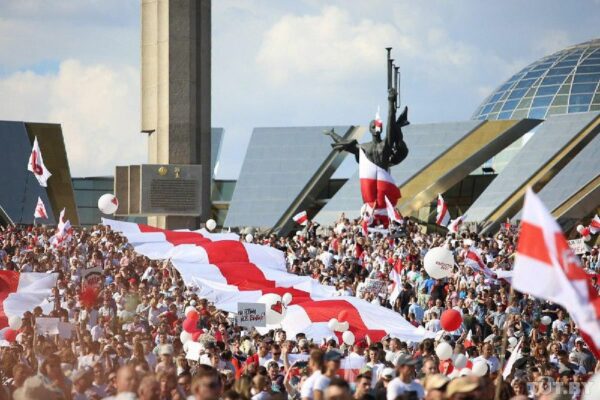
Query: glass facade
point(87, 192)
point(562, 83)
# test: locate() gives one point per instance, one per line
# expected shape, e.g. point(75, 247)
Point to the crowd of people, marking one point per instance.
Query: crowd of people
point(124, 341)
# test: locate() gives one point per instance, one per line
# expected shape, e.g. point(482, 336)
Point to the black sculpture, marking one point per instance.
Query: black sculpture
point(382, 153)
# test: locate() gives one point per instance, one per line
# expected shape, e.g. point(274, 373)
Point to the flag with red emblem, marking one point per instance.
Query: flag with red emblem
point(301, 218)
point(392, 212)
point(595, 225)
point(36, 165)
point(40, 210)
point(443, 216)
point(455, 224)
point(546, 267)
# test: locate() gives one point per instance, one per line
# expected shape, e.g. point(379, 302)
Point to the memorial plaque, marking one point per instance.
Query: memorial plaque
point(161, 189)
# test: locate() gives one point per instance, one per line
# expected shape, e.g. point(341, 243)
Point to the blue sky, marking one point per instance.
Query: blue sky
point(275, 63)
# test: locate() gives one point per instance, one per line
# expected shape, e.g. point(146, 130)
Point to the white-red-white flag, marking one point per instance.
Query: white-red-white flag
point(455, 224)
point(546, 267)
point(40, 210)
point(395, 277)
point(443, 216)
point(22, 292)
point(392, 213)
point(63, 231)
point(473, 259)
point(301, 218)
point(36, 165)
point(595, 225)
point(515, 354)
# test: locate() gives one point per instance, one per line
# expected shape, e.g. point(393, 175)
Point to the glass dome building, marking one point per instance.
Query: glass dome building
point(564, 82)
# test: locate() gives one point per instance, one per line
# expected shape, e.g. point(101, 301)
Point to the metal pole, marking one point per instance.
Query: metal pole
point(389, 67)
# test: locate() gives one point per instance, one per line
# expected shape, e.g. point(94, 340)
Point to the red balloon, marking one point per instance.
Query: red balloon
point(342, 316)
point(193, 315)
point(10, 335)
point(189, 325)
point(196, 335)
point(469, 364)
point(451, 320)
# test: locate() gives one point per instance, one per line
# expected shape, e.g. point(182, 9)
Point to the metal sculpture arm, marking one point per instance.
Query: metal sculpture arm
point(351, 146)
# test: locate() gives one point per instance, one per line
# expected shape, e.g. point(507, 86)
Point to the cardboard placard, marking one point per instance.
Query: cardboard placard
point(579, 246)
point(251, 314)
point(47, 326)
point(373, 286)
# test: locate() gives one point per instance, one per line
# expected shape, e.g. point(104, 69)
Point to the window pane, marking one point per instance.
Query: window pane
point(584, 78)
point(510, 105)
point(584, 87)
point(517, 94)
point(542, 101)
point(580, 99)
point(558, 71)
point(505, 114)
point(573, 109)
point(526, 102)
point(564, 89)
point(538, 113)
point(520, 113)
point(557, 110)
point(525, 83)
point(553, 80)
point(547, 90)
point(560, 100)
point(582, 69)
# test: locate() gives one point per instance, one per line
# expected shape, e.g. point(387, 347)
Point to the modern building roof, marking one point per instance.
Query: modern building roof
point(564, 82)
point(557, 141)
point(283, 170)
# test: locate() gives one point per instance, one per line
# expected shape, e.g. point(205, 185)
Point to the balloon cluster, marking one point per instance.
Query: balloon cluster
point(341, 324)
point(12, 333)
point(276, 306)
point(454, 365)
point(190, 326)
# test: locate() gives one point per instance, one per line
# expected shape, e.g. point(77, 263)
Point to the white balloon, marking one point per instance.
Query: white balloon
point(466, 372)
point(211, 224)
point(348, 338)
point(580, 228)
point(249, 238)
point(587, 238)
point(286, 298)
point(480, 368)
point(343, 326)
point(453, 374)
point(460, 361)
point(185, 337)
point(546, 320)
point(439, 262)
point(332, 324)
point(14, 322)
point(19, 338)
point(108, 203)
point(275, 308)
point(443, 351)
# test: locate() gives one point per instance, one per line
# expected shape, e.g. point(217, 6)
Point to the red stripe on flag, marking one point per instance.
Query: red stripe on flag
point(9, 282)
point(532, 244)
point(224, 251)
point(175, 237)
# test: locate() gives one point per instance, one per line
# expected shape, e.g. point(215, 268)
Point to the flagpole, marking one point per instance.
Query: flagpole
point(502, 354)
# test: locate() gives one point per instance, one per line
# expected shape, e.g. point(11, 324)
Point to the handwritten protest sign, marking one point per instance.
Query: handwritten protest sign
point(373, 286)
point(93, 276)
point(578, 246)
point(251, 314)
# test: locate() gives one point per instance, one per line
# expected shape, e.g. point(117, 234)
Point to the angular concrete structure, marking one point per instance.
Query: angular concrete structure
point(440, 155)
point(555, 144)
point(282, 174)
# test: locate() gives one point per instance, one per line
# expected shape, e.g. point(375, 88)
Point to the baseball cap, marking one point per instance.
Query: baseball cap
point(388, 373)
point(405, 359)
point(332, 356)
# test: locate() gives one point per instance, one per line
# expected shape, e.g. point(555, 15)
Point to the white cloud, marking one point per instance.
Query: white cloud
point(551, 41)
point(97, 106)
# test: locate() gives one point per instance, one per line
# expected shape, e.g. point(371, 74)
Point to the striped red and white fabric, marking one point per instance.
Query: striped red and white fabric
point(229, 272)
point(376, 183)
point(397, 281)
point(474, 261)
point(301, 218)
point(21, 292)
point(443, 216)
point(392, 212)
point(40, 210)
point(546, 267)
point(455, 224)
point(595, 225)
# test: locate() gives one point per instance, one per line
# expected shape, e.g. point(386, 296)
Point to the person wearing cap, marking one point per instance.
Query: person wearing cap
point(405, 379)
point(332, 364)
point(582, 356)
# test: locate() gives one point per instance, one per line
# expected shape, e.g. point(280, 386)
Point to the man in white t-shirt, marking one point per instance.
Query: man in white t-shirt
point(332, 365)
point(405, 381)
point(315, 363)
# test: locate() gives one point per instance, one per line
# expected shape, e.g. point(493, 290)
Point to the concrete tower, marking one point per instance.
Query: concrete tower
point(176, 91)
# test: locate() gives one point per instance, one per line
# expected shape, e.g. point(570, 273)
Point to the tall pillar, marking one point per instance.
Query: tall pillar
point(176, 91)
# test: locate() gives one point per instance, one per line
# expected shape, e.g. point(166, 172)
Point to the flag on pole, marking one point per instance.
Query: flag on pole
point(396, 280)
point(443, 216)
point(546, 267)
point(36, 165)
point(392, 212)
point(595, 225)
point(455, 224)
point(63, 231)
point(40, 210)
point(507, 225)
point(301, 218)
point(474, 260)
point(514, 356)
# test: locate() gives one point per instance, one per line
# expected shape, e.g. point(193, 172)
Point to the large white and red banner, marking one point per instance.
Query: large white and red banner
point(474, 261)
point(21, 292)
point(301, 218)
point(546, 267)
point(227, 271)
point(36, 165)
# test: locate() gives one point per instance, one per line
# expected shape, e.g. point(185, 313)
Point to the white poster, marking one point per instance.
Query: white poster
point(251, 314)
